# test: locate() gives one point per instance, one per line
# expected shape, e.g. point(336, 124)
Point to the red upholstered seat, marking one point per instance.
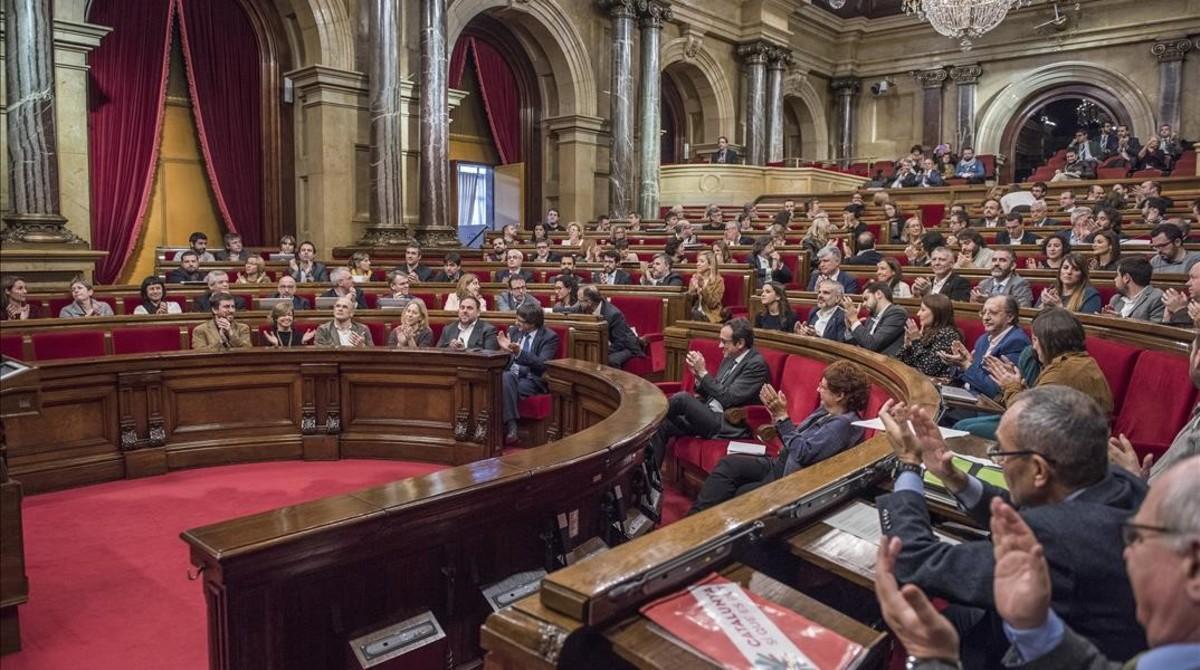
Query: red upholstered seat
point(711, 350)
point(1152, 416)
point(1107, 291)
point(699, 452)
point(776, 360)
point(972, 329)
point(145, 340)
point(989, 165)
point(932, 214)
point(378, 333)
point(1116, 361)
point(799, 384)
point(437, 331)
point(1111, 172)
point(371, 298)
point(68, 344)
point(536, 407)
point(12, 346)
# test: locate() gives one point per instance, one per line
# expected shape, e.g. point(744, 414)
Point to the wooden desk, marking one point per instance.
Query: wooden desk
point(19, 397)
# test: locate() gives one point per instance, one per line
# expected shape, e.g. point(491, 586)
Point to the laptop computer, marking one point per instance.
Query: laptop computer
point(326, 301)
point(269, 303)
point(394, 303)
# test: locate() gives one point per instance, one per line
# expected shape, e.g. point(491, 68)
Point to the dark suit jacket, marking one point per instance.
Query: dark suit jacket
point(441, 276)
point(957, 287)
point(622, 277)
point(868, 257)
point(423, 273)
point(224, 255)
point(729, 157)
point(620, 335)
point(319, 273)
point(502, 276)
point(360, 298)
point(1081, 538)
point(552, 257)
point(783, 275)
point(672, 279)
point(298, 303)
point(738, 388)
point(933, 178)
point(1028, 238)
point(203, 303)
point(1044, 222)
point(178, 276)
point(848, 282)
point(836, 328)
point(532, 364)
point(483, 337)
point(889, 335)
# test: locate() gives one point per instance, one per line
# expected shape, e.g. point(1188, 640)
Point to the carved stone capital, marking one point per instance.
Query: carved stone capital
point(780, 58)
point(846, 86)
point(654, 13)
point(930, 78)
point(618, 9)
point(966, 74)
point(755, 53)
point(1168, 51)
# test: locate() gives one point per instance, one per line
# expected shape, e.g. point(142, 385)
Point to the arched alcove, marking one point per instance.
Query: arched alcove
point(802, 107)
point(704, 89)
point(1048, 122)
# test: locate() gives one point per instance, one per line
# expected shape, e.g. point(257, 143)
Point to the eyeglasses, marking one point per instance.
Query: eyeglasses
point(1133, 533)
point(998, 457)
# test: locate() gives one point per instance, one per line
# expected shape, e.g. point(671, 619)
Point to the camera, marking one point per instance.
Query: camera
point(881, 87)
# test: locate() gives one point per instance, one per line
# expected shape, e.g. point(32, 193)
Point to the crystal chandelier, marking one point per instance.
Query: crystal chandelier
point(962, 19)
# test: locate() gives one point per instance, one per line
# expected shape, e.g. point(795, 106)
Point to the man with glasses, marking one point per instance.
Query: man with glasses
point(1170, 256)
point(1053, 443)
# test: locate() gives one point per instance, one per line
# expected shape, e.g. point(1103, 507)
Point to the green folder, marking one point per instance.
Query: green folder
point(992, 474)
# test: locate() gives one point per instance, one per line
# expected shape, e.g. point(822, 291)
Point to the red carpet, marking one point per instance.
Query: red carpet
point(108, 572)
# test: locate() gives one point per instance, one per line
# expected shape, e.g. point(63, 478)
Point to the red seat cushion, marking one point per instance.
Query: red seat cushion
point(775, 362)
point(12, 346)
point(1151, 417)
point(799, 385)
point(1116, 361)
point(643, 313)
point(378, 333)
point(711, 350)
point(536, 407)
point(145, 340)
point(972, 330)
point(68, 344)
point(699, 452)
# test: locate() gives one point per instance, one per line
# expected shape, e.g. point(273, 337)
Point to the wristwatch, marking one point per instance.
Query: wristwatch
point(914, 663)
point(905, 466)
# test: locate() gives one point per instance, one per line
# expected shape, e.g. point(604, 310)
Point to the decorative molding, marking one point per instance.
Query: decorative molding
point(461, 427)
point(756, 52)
point(308, 423)
point(847, 86)
point(930, 78)
point(1169, 51)
point(966, 74)
point(654, 13)
point(481, 427)
point(618, 9)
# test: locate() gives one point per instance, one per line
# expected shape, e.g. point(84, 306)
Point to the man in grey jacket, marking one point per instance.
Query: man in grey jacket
point(1135, 298)
point(1004, 280)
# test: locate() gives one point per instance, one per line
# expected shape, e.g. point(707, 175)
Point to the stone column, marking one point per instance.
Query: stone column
point(386, 209)
point(846, 90)
point(754, 55)
point(434, 227)
point(780, 60)
point(652, 13)
point(931, 116)
point(1170, 55)
point(31, 127)
point(966, 77)
point(620, 120)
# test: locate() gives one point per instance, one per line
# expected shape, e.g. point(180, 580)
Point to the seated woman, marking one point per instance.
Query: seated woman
point(468, 285)
point(721, 249)
point(254, 272)
point(566, 293)
point(893, 222)
point(154, 293)
point(829, 430)
point(360, 267)
point(767, 263)
point(413, 329)
point(16, 306)
point(83, 304)
point(1106, 251)
point(1060, 347)
point(973, 251)
point(540, 233)
point(287, 245)
point(1072, 288)
point(776, 313)
point(706, 290)
point(912, 231)
point(574, 235)
point(888, 271)
point(1054, 249)
point(818, 236)
point(283, 332)
point(1108, 218)
point(932, 333)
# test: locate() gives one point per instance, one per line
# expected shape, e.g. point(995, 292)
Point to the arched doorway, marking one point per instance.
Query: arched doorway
point(674, 132)
point(1048, 120)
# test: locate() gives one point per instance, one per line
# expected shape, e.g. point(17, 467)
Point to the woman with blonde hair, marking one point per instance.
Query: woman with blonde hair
point(720, 248)
point(468, 285)
point(574, 235)
point(360, 267)
point(706, 290)
point(254, 272)
point(283, 332)
point(818, 235)
point(413, 329)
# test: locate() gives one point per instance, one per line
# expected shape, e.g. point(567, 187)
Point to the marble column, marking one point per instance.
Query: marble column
point(931, 115)
point(30, 122)
point(434, 228)
point(386, 208)
point(780, 60)
point(620, 120)
point(845, 89)
point(1170, 55)
point(652, 14)
point(754, 55)
point(966, 78)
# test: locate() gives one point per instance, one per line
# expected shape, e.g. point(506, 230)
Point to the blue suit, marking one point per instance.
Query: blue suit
point(836, 328)
point(848, 282)
point(524, 375)
point(1010, 348)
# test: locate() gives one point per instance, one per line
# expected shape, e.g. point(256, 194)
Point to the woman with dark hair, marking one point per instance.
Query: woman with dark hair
point(1108, 218)
point(566, 293)
point(776, 313)
point(894, 220)
point(1054, 249)
point(540, 233)
point(16, 306)
point(1072, 288)
point(154, 294)
point(932, 333)
point(889, 271)
point(283, 332)
point(767, 263)
point(843, 391)
point(1106, 251)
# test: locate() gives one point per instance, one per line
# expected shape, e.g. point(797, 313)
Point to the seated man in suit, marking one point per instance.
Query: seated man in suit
point(737, 382)
point(1135, 298)
point(543, 254)
point(199, 243)
point(867, 253)
point(343, 285)
point(829, 266)
point(767, 263)
point(343, 330)
point(991, 214)
point(1075, 169)
point(659, 273)
point(221, 332)
point(532, 345)
point(1180, 306)
point(930, 175)
point(287, 289)
point(305, 268)
point(827, 320)
point(1039, 215)
point(1053, 443)
point(1004, 280)
point(233, 251)
point(469, 332)
point(945, 280)
point(906, 175)
point(1002, 338)
point(513, 259)
point(412, 264)
point(1014, 230)
point(516, 296)
point(611, 273)
point(218, 282)
point(623, 344)
point(884, 331)
point(732, 234)
point(724, 153)
point(451, 270)
point(188, 270)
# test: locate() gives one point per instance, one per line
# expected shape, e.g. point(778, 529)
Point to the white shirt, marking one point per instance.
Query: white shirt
point(937, 285)
point(172, 308)
point(1127, 309)
point(344, 335)
point(824, 316)
point(464, 332)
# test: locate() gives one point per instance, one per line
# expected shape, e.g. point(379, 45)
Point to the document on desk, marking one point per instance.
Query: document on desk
point(877, 424)
point(858, 524)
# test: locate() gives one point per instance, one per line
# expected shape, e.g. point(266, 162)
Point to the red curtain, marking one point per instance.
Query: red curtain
point(498, 91)
point(222, 58)
point(126, 96)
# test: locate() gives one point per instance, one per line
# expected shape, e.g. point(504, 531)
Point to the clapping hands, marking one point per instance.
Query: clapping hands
point(923, 631)
point(775, 402)
point(1021, 581)
point(1003, 372)
point(958, 355)
point(695, 361)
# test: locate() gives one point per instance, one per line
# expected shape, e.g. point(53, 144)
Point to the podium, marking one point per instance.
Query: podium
point(19, 396)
